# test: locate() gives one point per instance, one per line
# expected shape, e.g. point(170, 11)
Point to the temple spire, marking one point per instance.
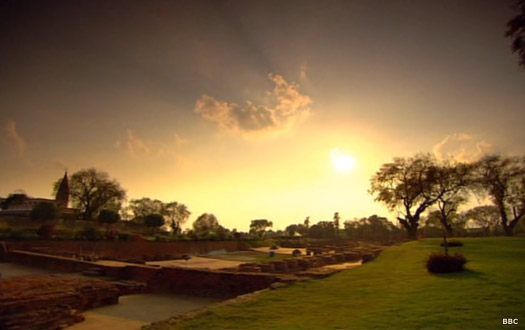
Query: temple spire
point(62, 197)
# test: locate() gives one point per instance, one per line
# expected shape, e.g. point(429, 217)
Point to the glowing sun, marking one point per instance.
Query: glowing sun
point(342, 161)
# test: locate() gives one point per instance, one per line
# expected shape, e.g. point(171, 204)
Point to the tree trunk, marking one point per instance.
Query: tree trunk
point(410, 227)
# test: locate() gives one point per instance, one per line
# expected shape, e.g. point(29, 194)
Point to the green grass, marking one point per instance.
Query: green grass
point(393, 292)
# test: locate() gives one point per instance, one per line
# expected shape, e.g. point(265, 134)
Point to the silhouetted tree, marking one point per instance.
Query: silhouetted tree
point(144, 206)
point(452, 182)
point(503, 180)
point(45, 212)
point(294, 229)
point(322, 229)
point(337, 218)
point(408, 186)
point(108, 217)
point(154, 221)
point(516, 31)
point(91, 190)
point(484, 216)
point(14, 198)
point(374, 228)
point(258, 226)
point(206, 225)
point(177, 214)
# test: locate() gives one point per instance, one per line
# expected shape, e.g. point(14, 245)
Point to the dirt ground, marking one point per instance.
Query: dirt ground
point(135, 311)
point(198, 262)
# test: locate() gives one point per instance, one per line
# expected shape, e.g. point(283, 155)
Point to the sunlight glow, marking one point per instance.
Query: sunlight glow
point(342, 161)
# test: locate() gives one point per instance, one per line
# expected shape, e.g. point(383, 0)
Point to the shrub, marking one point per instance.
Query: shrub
point(89, 234)
point(296, 252)
point(445, 263)
point(452, 243)
point(46, 231)
point(274, 247)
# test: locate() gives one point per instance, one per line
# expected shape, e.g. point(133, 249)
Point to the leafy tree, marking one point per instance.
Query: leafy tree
point(177, 214)
point(45, 212)
point(503, 180)
point(337, 219)
point(374, 228)
point(516, 31)
point(154, 221)
point(452, 182)
point(145, 206)
point(206, 225)
point(258, 226)
point(108, 217)
point(14, 198)
point(294, 229)
point(322, 229)
point(407, 186)
point(307, 222)
point(485, 216)
point(92, 190)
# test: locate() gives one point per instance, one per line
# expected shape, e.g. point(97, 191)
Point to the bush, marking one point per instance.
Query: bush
point(89, 234)
point(296, 252)
point(274, 247)
point(445, 263)
point(46, 231)
point(453, 243)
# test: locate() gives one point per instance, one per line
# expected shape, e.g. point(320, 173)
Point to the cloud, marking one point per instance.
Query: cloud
point(12, 138)
point(285, 107)
point(461, 147)
point(137, 147)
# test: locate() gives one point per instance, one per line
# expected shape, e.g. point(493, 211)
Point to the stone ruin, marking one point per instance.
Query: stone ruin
point(41, 302)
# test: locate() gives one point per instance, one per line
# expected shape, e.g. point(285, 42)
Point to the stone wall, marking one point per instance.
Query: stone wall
point(200, 282)
point(125, 250)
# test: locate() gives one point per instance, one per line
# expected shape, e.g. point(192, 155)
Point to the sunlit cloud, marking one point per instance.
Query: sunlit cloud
point(285, 107)
point(461, 147)
point(139, 148)
point(13, 139)
point(135, 146)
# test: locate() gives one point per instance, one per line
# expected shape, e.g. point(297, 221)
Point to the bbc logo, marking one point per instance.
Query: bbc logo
point(510, 321)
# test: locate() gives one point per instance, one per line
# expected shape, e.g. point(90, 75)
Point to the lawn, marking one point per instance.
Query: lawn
point(393, 292)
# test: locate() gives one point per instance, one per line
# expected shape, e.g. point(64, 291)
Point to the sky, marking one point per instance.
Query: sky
point(252, 109)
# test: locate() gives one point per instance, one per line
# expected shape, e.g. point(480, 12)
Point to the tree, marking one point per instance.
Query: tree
point(407, 186)
point(14, 198)
point(206, 225)
point(337, 219)
point(516, 31)
point(503, 180)
point(91, 190)
point(45, 212)
point(322, 229)
point(177, 214)
point(108, 217)
point(258, 226)
point(452, 181)
point(374, 228)
point(145, 206)
point(154, 221)
point(485, 216)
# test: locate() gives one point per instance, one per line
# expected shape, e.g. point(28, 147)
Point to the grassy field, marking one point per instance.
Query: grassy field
point(393, 292)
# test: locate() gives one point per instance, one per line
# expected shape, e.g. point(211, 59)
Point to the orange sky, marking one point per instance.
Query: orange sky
point(234, 108)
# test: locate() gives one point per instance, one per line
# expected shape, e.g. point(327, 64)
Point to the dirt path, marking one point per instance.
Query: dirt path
point(132, 312)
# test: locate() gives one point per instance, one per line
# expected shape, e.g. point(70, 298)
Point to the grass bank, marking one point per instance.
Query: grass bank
point(393, 292)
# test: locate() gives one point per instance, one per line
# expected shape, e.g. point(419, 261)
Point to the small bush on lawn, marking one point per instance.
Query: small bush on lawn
point(274, 247)
point(453, 243)
point(46, 231)
point(445, 263)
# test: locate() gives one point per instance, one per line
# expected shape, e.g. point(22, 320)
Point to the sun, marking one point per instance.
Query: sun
point(342, 161)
